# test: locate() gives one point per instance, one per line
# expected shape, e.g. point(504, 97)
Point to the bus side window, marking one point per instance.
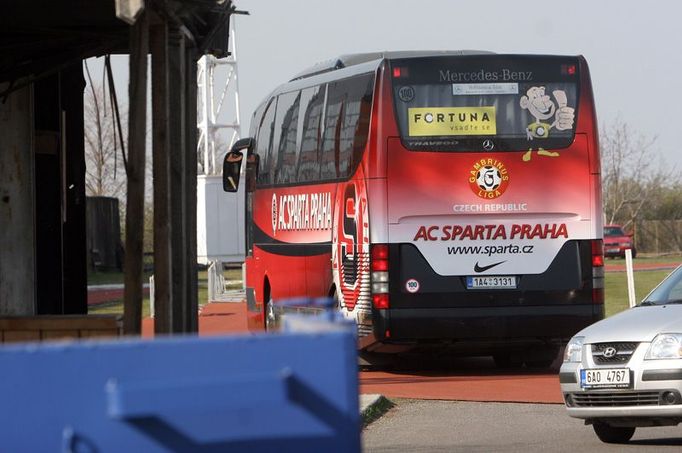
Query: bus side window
point(263, 145)
point(312, 104)
point(285, 146)
point(353, 137)
point(330, 142)
point(366, 90)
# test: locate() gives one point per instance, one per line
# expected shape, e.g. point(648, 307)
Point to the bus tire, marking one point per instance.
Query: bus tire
point(271, 323)
point(506, 360)
point(543, 358)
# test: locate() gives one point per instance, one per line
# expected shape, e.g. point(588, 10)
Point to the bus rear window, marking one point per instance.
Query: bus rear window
point(486, 102)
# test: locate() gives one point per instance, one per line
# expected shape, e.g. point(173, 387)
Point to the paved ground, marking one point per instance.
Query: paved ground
point(455, 426)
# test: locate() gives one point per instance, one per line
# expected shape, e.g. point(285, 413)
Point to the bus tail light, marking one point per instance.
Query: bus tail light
point(598, 272)
point(400, 71)
point(380, 301)
point(378, 255)
point(597, 253)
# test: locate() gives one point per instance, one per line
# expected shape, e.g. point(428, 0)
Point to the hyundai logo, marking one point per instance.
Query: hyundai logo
point(610, 352)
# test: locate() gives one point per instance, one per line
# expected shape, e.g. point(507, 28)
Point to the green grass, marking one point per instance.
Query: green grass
point(616, 288)
point(110, 278)
point(116, 306)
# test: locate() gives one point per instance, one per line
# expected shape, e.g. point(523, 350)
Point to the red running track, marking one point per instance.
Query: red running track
point(468, 380)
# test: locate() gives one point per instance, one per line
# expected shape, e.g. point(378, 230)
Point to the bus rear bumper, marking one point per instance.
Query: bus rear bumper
point(490, 327)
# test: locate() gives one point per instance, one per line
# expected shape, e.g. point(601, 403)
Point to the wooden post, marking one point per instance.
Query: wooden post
point(161, 171)
point(192, 306)
point(177, 149)
point(132, 302)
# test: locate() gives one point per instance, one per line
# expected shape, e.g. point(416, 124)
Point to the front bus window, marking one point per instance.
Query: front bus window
point(486, 102)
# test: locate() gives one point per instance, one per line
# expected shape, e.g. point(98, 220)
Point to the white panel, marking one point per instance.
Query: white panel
point(220, 222)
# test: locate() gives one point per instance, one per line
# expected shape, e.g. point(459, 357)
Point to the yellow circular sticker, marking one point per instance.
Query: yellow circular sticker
point(488, 178)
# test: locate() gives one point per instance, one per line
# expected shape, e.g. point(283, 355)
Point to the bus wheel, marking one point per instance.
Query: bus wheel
point(539, 363)
point(613, 434)
point(270, 317)
point(506, 360)
point(335, 298)
point(542, 358)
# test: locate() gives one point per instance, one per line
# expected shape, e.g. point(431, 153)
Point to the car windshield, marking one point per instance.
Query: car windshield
point(669, 291)
point(613, 231)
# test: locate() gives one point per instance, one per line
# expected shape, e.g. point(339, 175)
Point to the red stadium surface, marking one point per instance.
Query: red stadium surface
point(461, 379)
point(473, 381)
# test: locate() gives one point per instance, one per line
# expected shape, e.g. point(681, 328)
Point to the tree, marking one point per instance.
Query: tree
point(666, 209)
point(105, 171)
point(632, 173)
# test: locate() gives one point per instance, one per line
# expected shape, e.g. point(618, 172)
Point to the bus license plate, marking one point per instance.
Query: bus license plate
point(605, 378)
point(491, 282)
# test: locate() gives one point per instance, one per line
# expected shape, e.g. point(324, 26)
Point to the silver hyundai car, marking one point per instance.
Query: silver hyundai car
point(625, 371)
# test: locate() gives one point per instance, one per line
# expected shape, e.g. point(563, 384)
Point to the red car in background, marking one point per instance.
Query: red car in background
point(616, 241)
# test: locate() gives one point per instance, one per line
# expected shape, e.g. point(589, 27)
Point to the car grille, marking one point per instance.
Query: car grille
point(603, 352)
point(615, 399)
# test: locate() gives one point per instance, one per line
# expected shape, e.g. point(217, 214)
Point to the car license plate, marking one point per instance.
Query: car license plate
point(605, 378)
point(616, 250)
point(492, 282)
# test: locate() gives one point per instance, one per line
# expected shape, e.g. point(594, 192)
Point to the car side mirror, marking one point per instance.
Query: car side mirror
point(232, 163)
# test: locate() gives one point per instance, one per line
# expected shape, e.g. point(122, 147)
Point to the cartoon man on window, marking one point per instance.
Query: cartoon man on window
point(543, 108)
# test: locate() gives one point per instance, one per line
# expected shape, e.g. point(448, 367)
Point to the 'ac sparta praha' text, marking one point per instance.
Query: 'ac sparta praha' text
point(491, 232)
point(306, 211)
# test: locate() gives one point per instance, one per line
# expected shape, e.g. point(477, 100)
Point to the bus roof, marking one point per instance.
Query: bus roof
point(345, 61)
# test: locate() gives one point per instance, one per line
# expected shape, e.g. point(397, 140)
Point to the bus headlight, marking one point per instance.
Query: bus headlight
point(574, 350)
point(665, 346)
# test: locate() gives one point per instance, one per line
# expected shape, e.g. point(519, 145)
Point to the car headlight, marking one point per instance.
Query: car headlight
point(574, 350)
point(665, 346)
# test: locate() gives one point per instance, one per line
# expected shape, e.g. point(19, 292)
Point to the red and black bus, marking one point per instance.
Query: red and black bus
point(440, 197)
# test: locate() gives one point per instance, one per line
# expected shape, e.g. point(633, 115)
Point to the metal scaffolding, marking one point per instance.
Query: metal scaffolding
point(218, 119)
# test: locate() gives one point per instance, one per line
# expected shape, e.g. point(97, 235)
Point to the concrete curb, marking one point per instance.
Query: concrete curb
point(372, 407)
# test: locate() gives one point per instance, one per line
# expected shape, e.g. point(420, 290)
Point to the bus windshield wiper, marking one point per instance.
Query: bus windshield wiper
point(672, 302)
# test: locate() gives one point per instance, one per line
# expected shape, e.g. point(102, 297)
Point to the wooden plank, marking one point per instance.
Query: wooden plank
point(99, 333)
point(177, 150)
point(60, 322)
point(161, 171)
point(21, 335)
point(191, 315)
point(59, 334)
point(132, 300)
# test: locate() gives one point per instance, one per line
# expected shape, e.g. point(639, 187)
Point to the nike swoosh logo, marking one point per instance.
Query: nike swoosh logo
point(478, 268)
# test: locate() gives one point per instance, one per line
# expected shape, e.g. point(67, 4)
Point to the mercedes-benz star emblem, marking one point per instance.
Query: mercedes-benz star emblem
point(488, 145)
point(610, 352)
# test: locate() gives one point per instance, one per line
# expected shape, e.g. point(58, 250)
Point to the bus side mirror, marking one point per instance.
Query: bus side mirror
point(252, 164)
point(232, 163)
